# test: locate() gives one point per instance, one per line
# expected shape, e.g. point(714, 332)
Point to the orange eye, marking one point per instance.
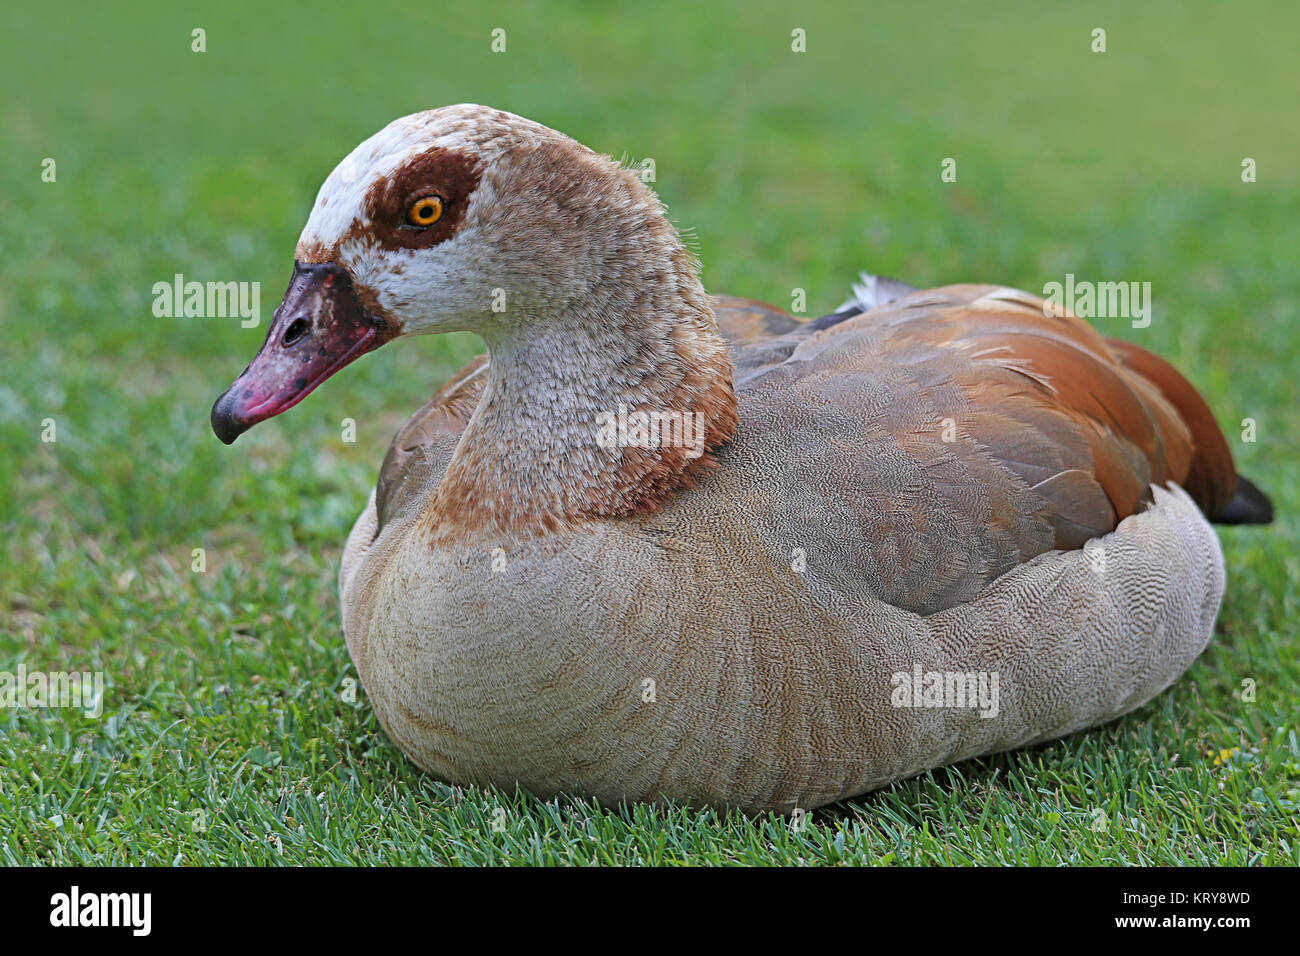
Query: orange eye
point(425, 211)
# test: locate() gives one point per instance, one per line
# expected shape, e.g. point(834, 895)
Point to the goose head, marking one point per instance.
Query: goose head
point(460, 218)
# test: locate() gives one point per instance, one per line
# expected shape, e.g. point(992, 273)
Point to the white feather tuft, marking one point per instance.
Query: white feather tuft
point(870, 291)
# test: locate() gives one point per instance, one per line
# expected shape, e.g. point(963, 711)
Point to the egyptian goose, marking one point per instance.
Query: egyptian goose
point(761, 602)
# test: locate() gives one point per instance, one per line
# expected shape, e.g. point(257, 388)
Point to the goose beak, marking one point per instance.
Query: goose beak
point(320, 327)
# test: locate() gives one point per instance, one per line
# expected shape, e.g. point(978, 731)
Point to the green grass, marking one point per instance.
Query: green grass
point(226, 701)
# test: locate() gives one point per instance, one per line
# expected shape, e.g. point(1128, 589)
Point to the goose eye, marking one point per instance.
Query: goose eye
point(425, 211)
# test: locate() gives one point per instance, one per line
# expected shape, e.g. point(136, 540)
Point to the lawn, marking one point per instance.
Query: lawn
point(229, 733)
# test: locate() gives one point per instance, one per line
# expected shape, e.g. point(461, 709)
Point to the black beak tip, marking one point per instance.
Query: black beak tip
point(224, 423)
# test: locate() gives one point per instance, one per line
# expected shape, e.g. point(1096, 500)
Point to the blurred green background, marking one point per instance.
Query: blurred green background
point(790, 170)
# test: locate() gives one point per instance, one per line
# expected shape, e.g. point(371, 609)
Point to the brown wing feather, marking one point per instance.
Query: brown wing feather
point(746, 322)
point(424, 445)
point(1208, 472)
point(1048, 390)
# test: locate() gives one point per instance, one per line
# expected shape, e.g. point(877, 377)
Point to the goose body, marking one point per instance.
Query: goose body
point(933, 525)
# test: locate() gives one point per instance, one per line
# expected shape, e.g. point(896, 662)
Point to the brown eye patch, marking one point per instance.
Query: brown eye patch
point(397, 207)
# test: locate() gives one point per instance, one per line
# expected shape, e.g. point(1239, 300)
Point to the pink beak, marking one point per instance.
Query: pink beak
point(320, 327)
